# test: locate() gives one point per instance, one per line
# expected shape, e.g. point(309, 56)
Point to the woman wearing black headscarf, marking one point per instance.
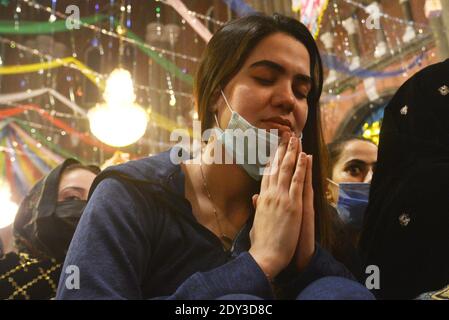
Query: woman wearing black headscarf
point(43, 229)
point(406, 230)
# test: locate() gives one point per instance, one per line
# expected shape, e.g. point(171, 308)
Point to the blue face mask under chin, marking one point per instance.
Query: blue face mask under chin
point(352, 202)
point(251, 156)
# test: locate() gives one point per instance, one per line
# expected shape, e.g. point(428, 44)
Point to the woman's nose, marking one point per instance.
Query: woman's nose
point(284, 97)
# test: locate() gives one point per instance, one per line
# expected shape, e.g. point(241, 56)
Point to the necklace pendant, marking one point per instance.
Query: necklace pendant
point(226, 242)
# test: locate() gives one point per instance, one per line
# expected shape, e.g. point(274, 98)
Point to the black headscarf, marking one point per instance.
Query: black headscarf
point(406, 228)
point(37, 229)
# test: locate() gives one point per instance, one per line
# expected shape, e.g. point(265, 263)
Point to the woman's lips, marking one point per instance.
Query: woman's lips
point(276, 125)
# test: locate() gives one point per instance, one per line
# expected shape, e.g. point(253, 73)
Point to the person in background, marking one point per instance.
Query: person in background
point(43, 229)
point(351, 162)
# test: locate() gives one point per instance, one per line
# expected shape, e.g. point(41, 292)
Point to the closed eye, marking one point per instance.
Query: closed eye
point(300, 95)
point(264, 81)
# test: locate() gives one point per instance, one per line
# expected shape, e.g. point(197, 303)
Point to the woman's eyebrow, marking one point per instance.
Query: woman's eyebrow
point(269, 64)
point(73, 188)
point(359, 162)
point(278, 68)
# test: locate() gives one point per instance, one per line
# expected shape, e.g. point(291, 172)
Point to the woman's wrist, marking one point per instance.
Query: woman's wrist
point(265, 265)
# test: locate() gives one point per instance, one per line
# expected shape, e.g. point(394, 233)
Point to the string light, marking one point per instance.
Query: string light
point(113, 34)
point(198, 15)
point(347, 50)
point(207, 18)
point(53, 8)
point(52, 18)
point(99, 76)
point(128, 15)
point(111, 17)
point(386, 16)
point(170, 91)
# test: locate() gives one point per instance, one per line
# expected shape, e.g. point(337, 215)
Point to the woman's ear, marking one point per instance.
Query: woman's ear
point(331, 193)
point(328, 195)
point(214, 101)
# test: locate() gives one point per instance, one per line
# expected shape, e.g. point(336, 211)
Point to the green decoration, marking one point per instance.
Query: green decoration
point(28, 27)
point(164, 63)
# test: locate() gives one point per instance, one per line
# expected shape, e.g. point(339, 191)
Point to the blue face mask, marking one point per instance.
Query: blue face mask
point(252, 153)
point(352, 202)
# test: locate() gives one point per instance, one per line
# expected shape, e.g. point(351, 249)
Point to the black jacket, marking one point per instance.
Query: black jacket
point(406, 229)
point(138, 239)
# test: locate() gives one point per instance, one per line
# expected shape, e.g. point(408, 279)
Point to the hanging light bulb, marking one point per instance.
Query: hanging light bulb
point(9, 208)
point(172, 101)
point(119, 122)
point(52, 18)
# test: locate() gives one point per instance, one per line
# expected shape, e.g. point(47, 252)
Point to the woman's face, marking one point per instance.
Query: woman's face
point(75, 184)
point(356, 164)
point(270, 90)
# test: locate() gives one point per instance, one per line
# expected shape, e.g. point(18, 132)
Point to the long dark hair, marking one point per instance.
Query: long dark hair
point(226, 53)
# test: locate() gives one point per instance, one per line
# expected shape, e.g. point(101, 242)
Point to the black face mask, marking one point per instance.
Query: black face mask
point(56, 231)
point(70, 210)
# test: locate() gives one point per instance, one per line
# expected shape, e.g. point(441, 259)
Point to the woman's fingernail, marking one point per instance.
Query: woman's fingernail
point(292, 141)
point(302, 156)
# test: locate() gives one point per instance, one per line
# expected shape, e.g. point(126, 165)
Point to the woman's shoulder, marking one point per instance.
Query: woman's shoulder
point(158, 171)
point(151, 180)
point(155, 168)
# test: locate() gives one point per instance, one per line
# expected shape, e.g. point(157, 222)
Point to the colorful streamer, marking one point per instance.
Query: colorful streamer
point(28, 27)
point(15, 172)
point(37, 161)
point(29, 172)
point(52, 146)
point(160, 120)
point(196, 25)
point(29, 94)
point(61, 125)
point(311, 13)
point(51, 158)
point(164, 63)
point(69, 61)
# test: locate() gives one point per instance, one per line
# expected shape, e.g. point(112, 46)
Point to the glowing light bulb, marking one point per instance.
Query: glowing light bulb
point(119, 122)
point(9, 208)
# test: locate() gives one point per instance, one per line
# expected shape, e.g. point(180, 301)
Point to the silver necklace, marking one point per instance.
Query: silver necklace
point(225, 240)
